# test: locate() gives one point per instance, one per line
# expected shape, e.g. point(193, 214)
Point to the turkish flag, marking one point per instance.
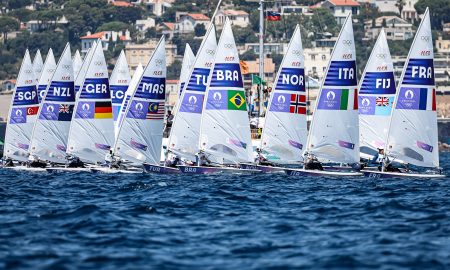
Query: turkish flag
point(32, 110)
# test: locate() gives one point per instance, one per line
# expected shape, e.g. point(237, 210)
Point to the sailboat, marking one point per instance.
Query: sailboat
point(225, 128)
point(376, 97)
point(77, 62)
point(22, 113)
point(285, 132)
point(119, 81)
point(46, 74)
point(187, 64)
point(81, 74)
point(139, 139)
point(50, 133)
point(334, 132)
point(184, 135)
point(37, 65)
point(91, 133)
point(413, 134)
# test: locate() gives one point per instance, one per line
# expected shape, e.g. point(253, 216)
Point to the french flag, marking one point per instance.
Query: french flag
point(273, 16)
point(427, 99)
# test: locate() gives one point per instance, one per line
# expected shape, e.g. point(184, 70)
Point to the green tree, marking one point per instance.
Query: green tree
point(113, 26)
point(151, 33)
point(173, 70)
point(200, 30)
point(15, 4)
point(248, 56)
point(22, 14)
point(8, 24)
point(439, 11)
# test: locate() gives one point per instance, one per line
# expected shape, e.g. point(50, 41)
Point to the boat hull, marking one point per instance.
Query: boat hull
point(215, 170)
point(262, 168)
point(303, 172)
point(25, 169)
point(148, 168)
point(66, 170)
point(380, 175)
point(114, 171)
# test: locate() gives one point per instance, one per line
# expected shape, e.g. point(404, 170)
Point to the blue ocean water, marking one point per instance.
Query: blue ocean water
point(95, 221)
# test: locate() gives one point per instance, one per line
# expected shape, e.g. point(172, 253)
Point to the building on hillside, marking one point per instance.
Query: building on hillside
point(269, 48)
point(395, 28)
point(8, 85)
point(143, 25)
point(296, 10)
point(167, 29)
point(171, 94)
point(446, 28)
point(156, 7)
point(118, 3)
point(141, 53)
point(442, 45)
point(341, 8)
point(106, 37)
point(316, 61)
point(237, 18)
point(253, 69)
point(38, 25)
point(187, 22)
point(409, 13)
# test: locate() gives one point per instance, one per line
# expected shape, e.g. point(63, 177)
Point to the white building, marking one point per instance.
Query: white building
point(269, 48)
point(297, 10)
point(106, 37)
point(37, 25)
point(143, 25)
point(188, 22)
point(395, 28)
point(141, 53)
point(237, 17)
point(316, 61)
point(341, 8)
point(157, 7)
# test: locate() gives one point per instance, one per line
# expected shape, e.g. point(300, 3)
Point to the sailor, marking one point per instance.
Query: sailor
point(312, 163)
point(378, 158)
point(202, 159)
point(34, 162)
point(174, 161)
point(74, 162)
point(260, 159)
point(9, 163)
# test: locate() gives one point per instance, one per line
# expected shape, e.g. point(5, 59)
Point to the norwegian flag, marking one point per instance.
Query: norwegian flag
point(64, 108)
point(382, 101)
point(298, 104)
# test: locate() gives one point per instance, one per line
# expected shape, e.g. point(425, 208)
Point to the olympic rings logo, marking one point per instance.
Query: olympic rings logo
point(28, 71)
point(228, 46)
point(425, 38)
point(210, 52)
point(381, 55)
point(66, 66)
point(347, 42)
point(98, 63)
point(296, 52)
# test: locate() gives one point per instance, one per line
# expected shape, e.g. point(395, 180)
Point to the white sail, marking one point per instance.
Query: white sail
point(188, 62)
point(81, 75)
point(46, 74)
point(37, 65)
point(285, 131)
point(77, 62)
point(22, 113)
point(184, 136)
point(376, 97)
point(92, 131)
point(225, 127)
point(141, 129)
point(334, 132)
point(118, 83)
point(128, 93)
point(413, 136)
point(50, 133)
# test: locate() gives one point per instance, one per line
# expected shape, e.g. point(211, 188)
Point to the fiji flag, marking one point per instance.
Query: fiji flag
point(273, 16)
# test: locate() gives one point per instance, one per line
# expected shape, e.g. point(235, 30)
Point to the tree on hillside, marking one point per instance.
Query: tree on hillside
point(400, 4)
point(15, 4)
point(439, 11)
point(8, 24)
point(22, 14)
point(113, 26)
point(200, 30)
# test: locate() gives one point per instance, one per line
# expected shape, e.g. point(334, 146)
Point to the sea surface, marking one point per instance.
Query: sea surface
point(97, 221)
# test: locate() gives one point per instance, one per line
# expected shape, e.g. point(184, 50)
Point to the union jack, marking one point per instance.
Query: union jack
point(64, 108)
point(382, 101)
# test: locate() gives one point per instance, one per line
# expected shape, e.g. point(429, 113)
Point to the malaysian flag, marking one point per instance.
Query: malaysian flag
point(155, 111)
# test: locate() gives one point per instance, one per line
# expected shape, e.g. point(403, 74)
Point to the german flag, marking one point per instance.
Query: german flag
point(103, 109)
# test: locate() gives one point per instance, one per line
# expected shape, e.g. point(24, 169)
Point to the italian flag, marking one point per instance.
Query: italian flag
point(349, 99)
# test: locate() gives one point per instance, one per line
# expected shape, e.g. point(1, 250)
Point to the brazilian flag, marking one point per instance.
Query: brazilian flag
point(236, 100)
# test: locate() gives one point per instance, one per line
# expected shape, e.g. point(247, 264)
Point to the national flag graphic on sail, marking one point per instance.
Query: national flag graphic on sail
point(65, 112)
point(103, 110)
point(155, 110)
point(297, 104)
point(236, 100)
point(32, 110)
point(411, 98)
point(338, 99)
point(371, 105)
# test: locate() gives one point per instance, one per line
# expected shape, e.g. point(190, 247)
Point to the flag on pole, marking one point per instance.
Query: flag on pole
point(273, 16)
point(257, 80)
point(244, 67)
